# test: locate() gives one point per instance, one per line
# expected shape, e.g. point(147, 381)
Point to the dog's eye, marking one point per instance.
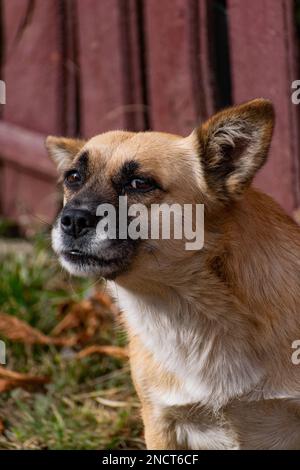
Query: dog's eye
point(72, 178)
point(140, 185)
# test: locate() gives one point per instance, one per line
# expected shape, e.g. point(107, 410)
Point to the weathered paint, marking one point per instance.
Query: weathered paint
point(263, 58)
point(87, 66)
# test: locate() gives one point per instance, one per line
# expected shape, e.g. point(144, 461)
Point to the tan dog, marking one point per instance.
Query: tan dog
point(210, 331)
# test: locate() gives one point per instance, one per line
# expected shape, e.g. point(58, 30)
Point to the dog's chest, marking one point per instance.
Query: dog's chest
point(184, 343)
point(183, 350)
point(174, 346)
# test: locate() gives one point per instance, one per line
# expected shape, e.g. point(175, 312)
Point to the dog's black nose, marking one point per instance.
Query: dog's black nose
point(77, 222)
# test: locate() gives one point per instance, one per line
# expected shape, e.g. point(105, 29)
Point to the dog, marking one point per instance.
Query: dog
point(210, 330)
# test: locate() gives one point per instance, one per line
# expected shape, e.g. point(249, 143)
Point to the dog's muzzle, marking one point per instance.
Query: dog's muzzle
point(83, 251)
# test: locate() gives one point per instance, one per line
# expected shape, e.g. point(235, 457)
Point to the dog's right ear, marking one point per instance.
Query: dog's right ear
point(62, 150)
point(233, 145)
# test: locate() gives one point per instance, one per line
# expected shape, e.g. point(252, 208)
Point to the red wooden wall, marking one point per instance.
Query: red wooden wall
point(264, 63)
point(79, 67)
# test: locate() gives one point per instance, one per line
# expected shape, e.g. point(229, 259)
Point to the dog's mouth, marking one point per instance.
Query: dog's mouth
point(86, 256)
point(84, 259)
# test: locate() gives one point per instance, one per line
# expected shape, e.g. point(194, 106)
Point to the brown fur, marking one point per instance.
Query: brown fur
point(210, 331)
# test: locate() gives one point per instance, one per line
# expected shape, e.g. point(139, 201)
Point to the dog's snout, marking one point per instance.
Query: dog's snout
point(77, 222)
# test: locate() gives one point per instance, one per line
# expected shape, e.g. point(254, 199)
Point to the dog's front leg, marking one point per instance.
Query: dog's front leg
point(159, 433)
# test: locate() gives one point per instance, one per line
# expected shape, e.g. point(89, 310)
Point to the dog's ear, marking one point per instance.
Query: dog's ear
point(233, 145)
point(62, 150)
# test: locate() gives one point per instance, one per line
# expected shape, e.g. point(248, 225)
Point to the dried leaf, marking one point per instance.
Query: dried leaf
point(2, 428)
point(18, 330)
point(112, 403)
point(69, 322)
point(114, 351)
point(105, 301)
point(10, 379)
point(88, 316)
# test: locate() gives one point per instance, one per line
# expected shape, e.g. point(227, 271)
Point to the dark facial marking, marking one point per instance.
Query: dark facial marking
point(79, 170)
point(82, 162)
point(129, 171)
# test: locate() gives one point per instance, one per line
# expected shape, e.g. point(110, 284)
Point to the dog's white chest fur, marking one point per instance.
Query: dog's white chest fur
point(170, 346)
point(171, 332)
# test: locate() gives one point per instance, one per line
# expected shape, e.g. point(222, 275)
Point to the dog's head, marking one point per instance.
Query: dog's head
point(213, 166)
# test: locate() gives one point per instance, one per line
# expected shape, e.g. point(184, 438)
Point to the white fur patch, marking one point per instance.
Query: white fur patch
point(57, 243)
point(205, 438)
point(96, 244)
point(185, 349)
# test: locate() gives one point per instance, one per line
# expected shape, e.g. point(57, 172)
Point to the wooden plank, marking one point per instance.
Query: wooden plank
point(263, 59)
point(38, 84)
point(178, 74)
point(28, 190)
point(69, 79)
point(33, 65)
point(31, 201)
point(205, 80)
point(26, 150)
point(133, 64)
point(111, 89)
point(171, 100)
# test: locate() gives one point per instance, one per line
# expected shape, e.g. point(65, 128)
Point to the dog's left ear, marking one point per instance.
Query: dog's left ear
point(233, 146)
point(62, 150)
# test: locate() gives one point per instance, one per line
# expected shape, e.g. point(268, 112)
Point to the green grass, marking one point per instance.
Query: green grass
point(90, 403)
